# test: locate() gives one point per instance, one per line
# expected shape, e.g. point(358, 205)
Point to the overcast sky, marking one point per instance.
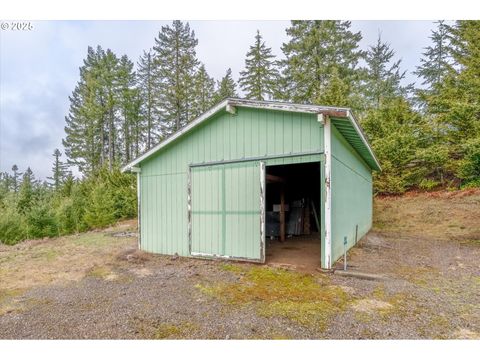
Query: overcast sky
point(39, 69)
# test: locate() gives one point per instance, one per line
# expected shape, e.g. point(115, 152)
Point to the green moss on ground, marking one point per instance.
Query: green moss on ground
point(305, 299)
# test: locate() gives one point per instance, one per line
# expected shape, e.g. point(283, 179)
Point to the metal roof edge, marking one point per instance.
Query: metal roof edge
point(359, 130)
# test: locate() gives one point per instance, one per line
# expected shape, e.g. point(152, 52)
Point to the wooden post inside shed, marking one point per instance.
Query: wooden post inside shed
point(282, 212)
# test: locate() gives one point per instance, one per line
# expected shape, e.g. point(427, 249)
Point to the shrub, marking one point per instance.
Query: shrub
point(469, 167)
point(428, 184)
point(100, 210)
point(12, 228)
point(65, 217)
point(41, 222)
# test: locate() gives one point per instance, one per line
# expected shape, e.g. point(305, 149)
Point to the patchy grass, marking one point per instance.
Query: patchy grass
point(7, 301)
point(232, 268)
point(166, 330)
point(305, 299)
point(399, 303)
point(100, 272)
point(169, 331)
point(441, 215)
point(59, 260)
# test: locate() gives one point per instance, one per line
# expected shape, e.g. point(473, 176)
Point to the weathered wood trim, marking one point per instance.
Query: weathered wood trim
point(334, 113)
point(284, 106)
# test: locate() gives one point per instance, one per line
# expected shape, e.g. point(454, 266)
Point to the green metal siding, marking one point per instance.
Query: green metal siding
point(248, 134)
point(226, 208)
point(351, 186)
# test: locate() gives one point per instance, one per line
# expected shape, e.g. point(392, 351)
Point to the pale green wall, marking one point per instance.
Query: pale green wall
point(351, 182)
point(249, 133)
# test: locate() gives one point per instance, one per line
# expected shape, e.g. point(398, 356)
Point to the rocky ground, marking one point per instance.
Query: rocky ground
point(96, 285)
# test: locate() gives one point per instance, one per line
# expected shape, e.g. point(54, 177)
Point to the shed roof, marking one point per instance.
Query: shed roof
point(341, 117)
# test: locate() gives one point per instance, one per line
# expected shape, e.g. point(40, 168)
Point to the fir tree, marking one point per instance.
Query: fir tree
point(455, 102)
point(149, 105)
point(108, 79)
point(176, 63)
point(204, 89)
point(85, 132)
point(436, 60)
point(100, 112)
point(26, 192)
point(59, 171)
point(15, 178)
point(129, 106)
point(382, 81)
point(226, 87)
point(259, 79)
point(315, 49)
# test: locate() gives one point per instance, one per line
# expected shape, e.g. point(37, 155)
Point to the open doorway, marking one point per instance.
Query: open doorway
point(292, 215)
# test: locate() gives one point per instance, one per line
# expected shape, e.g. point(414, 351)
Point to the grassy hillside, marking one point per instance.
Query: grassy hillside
point(444, 215)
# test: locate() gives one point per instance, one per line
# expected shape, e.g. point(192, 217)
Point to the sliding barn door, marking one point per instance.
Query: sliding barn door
point(226, 211)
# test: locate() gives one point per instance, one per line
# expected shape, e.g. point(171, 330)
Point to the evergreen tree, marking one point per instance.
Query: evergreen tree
point(102, 109)
point(436, 60)
point(454, 103)
point(26, 192)
point(226, 87)
point(108, 69)
point(85, 132)
point(393, 130)
point(204, 89)
point(259, 79)
point(149, 105)
point(129, 106)
point(315, 49)
point(59, 170)
point(382, 80)
point(15, 179)
point(5, 183)
point(176, 62)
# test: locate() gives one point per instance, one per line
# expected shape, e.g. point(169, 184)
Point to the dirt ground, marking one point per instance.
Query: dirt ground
point(97, 285)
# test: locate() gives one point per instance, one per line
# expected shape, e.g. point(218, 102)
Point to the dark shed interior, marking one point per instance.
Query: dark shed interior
point(292, 217)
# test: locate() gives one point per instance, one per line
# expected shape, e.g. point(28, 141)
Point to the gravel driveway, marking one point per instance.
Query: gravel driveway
point(98, 286)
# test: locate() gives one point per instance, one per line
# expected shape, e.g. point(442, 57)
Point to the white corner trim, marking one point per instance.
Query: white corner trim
point(327, 141)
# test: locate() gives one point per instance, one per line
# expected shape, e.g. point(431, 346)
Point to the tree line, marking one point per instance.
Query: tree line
point(426, 136)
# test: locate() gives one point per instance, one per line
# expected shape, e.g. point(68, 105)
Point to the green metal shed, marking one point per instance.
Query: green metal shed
point(204, 191)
